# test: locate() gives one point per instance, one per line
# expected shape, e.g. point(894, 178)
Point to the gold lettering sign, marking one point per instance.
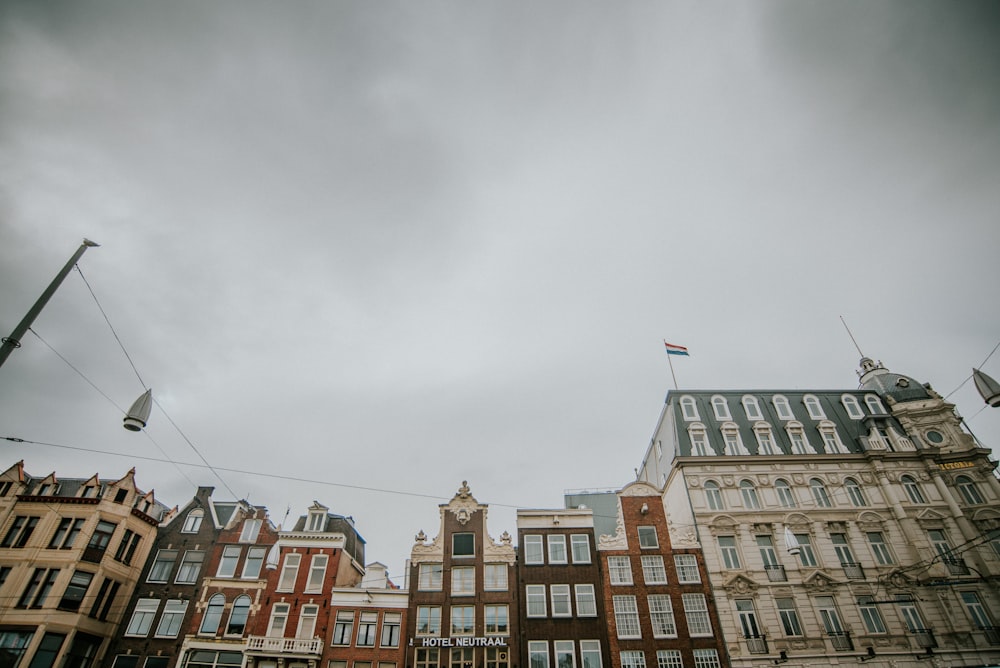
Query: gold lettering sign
point(956, 465)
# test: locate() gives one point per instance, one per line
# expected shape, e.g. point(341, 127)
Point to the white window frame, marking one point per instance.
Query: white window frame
point(557, 549)
point(495, 577)
point(661, 616)
point(250, 531)
point(751, 407)
point(229, 560)
point(580, 548)
point(807, 555)
point(308, 617)
point(748, 492)
point(699, 440)
point(171, 619)
point(689, 408)
point(432, 613)
point(880, 548)
point(733, 440)
point(721, 408)
point(782, 407)
point(590, 654)
point(142, 617)
point(289, 572)
point(969, 490)
point(820, 495)
point(463, 580)
point(855, 493)
point(255, 557)
point(797, 437)
point(238, 605)
point(912, 488)
point(191, 558)
point(766, 445)
point(696, 612)
point(813, 407)
point(632, 658)
point(874, 404)
point(538, 654)
point(686, 566)
point(786, 497)
point(430, 576)
point(706, 658)
point(279, 614)
point(831, 439)
point(193, 520)
point(654, 572)
point(645, 533)
point(563, 649)
point(534, 549)
point(626, 616)
point(619, 570)
point(586, 600)
point(669, 658)
point(463, 620)
point(496, 619)
point(729, 551)
point(536, 603)
point(713, 495)
point(317, 573)
point(561, 600)
point(852, 406)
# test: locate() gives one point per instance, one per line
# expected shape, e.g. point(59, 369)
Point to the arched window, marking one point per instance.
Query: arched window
point(699, 440)
point(193, 521)
point(852, 406)
point(969, 490)
point(782, 408)
point(213, 615)
point(765, 439)
point(752, 408)
point(912, 489)
point(819, 493)
point(238, 616)
point(731, 437)
point(689, 409)
point(874, 404)
point(855, 493)
point(831, 440)
point(749, 494)
point(813, 407)
point(785, 496)
point(721, 408)
point(797, 436)
point(714, 495)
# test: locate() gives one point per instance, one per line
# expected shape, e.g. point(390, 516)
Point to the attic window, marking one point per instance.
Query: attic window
point(751, 408)
point(721, 408)
point(689, 408)
point(317, 521)
point(120, 495)
point(852, 406)
point(251, 528)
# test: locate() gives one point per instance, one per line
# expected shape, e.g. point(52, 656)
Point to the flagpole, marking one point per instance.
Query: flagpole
point(671, 363)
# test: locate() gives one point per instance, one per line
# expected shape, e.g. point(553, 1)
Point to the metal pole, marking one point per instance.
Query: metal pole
point(14, 340)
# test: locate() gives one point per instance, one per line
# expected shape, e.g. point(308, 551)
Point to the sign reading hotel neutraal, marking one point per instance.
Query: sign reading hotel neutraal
point(459, 641)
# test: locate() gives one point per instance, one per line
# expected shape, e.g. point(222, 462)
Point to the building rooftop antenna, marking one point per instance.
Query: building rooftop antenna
point(852, 336)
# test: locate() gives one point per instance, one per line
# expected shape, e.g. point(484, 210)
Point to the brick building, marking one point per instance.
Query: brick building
point(367, 622)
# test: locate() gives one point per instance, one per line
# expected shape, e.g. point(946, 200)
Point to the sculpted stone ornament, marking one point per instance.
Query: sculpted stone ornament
point(421, 537)
point(685, 537)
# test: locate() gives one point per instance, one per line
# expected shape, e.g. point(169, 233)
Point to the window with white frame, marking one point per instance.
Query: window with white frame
point(912, 489)
point(752, 408)
point(429, 657)
point(721, 408)
point(647, 537)
point(497, 622)
point(561, 606)
point(187, 572)
point(807, 556)
point(653, 570)
point(307, 622)
point(969, 490)
point(842, 549)
point(687, 568)
point(661, 616)
point(870, 615)
point(785, 496)
point(669, 658)
point(729, 552)
point(819, 493)
point(255, 559)
point(463, 620)
point(797, 437)
point(193, 521)
point(620, 570)
point(279, 617)
point(343, 628)
point(749, 494)
point(813, 407)
point(939, 541)
point(538, 654)
point(163, 563)
point(463, 545)
point(213, 615)
point(734, 442)
point(782, 408)
point(463, 580)
point(883, 555)
point(289, 572)
point(699, 440)
point(170, 620)
point(535, 598)
point(428, 620)
point(390, 629)
point(765, 544)
point(590, 654)
point(251, 529)
point(565, 653)
point(789, 616)
point(317, 573)
point(586, 600)
point(706, 658)
point(626, 617)
point(557, 549)
point(142, 617)
point(632, 658)
point(580, 548)
point(317, 520)
point(974, 606)
point(238, 616)
point(855, 493)
point(765, 439)
point(533, 550)
point(696, 613)
point(689, 409)
point(874, 404)
point(495, 577)
point(429, 577)
point(713, 495)
point(831, 439)
point(852, 406)
point(747, 615)
point(230, 558)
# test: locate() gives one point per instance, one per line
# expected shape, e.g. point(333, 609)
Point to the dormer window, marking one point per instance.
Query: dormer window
point(752, 408)
point(251, 529)
point(689, 409)
point(874, 404)
point(852, 406)
point(813, 407)
point(731, 437)
point(765, 439)
point(317, 521)
point(831, 440)
point(721, 408)
point(193, 521)
point(782, 408)
point(797, 435)
point(699, 440)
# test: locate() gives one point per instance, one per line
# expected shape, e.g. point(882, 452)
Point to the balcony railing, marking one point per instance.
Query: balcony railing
point(955, 565)
point(284, 645)
point(992, 634)
point(775, 572)
point(756, 644)
point(841, 641)
point(924, 638)
point(853, 571)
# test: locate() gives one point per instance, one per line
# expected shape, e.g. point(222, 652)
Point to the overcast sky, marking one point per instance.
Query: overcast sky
point(402, 245)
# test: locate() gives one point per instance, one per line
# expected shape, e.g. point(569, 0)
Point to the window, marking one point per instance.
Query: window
point(767, 554)
point(173, 615)
point(343, 628)
point(496, 657)
point(104, 600)
point(390, 629)
point(557, 549)
point(142, 617)
point(633, 658)
point(731, 437)
point(748, 618)
point(852, 407)
point(75, 591)
point(831, 441)
point(661, 615)
point(912, 489)
point(427, 657)
point(828, 614)
point(706, 658)
point(820, 496)
point(699, 440)
point(806, 554)
point(908, 611)
point(560, 600)
point(565, 653)
point(813, 407)
point(317, 573)
point(289, 572)
point(749, 494)
point(5, 487)
point(497, 620)
point(279, 617)
point(227, 564)
point(533, 553)
point(669, 658)
point(713, 495)
point(653, 571)
point(38, 588)
point(429, 578)
point(620, 570)
point(874, 404)
point(193, 521)
point(586, 600)
point(855, 493)
point(462, 658)
point(367, 628)
point(126, 548)
point(46, 653)
point(99, 541)
point(429, 619)
point(163, 563)
point(696, 612)
point(689, 409)
point(590, 654)
point(626, 617)
point(967, 488)
point(789, 617)
point(307, 621)
point(463, 545)
point(317, 521)
point(251, 529)
point(580, 547)
point(752, 408)
point(495, 577)
point(796, 434)
point(782, 408)
point(883, 556)
point(647, 538)
point(538, 654)
point(940, 543)
point(66, 533)
point(83, 649)
point(463, 581)
point(190, 567)
point(463, 620)
point(14, 644)
point(535, 597)
point(974, 606)
point(785, 496)
point(842, 549)
point(765, 440)
point(687, 568)
point(870, 615)
point(255, 559)
point(213, 615)
point(20, 531)
point(730, 555)
point(721, 408)
point(237, 616)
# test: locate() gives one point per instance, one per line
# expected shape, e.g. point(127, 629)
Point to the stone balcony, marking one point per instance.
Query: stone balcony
point(276, 645)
